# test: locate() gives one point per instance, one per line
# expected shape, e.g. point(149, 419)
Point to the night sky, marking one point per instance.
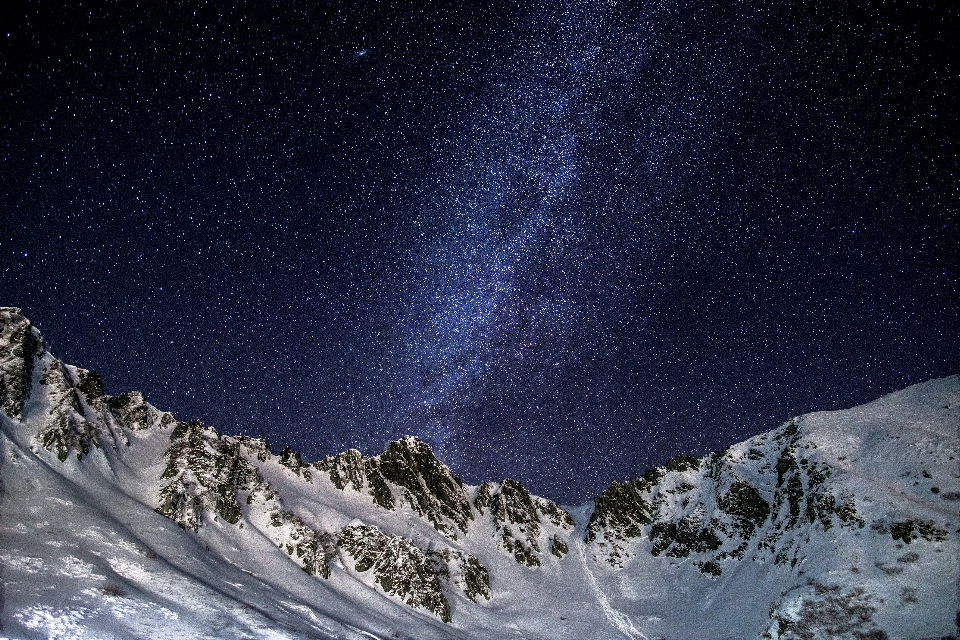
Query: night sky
point(560, 242)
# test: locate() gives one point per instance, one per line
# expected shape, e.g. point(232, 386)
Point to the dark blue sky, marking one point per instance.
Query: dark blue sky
point(561, 242)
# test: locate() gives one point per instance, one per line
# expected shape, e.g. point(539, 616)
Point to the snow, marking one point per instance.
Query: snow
point(83, 554)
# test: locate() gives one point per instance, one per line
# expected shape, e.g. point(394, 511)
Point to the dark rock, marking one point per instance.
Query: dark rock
point(682, 463)
point(351, 468)
point(462, 570)
point(67, 428)
point(518, 518)
point(90, 384)
point(206, 473)
point(256, 447)
point(20, 346)
point(292, 460)
point(428, 485)
point(313, 550)
point(910, 530)
point(621, 511)
point(744, 503)
point(558, 547)
point(679, 539)
point(399, 567)
point(130, 410)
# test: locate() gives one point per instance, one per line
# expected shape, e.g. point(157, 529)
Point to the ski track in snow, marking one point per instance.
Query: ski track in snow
point(619, 619)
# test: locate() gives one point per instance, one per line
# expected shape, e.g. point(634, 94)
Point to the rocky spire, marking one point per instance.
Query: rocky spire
point(20, 346)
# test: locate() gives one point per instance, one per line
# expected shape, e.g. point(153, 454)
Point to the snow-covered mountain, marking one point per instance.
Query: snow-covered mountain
point(119, 521)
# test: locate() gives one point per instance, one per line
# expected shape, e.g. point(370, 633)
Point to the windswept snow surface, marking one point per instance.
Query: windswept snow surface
point(859, 538)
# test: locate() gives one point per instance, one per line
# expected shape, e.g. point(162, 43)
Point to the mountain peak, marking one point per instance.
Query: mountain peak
point(822, 519)
point(20, 345)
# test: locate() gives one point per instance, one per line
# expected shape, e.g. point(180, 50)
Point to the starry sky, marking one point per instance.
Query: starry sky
point(559, 241)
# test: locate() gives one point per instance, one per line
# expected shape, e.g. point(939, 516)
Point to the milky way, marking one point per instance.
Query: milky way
point(560, 242)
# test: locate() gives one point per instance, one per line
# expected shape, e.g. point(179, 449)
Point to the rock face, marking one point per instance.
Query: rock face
point(519, 517)
point(406, 469)
point(130, 410)
point(312, 549)
point(398, 567)
point(360, 473)
point(428, 485)
point(835, 510)
point(72, 419)
point(20, 346)
point(762, 498)
point(206, 474)
point(717, 508)
point(821, 611)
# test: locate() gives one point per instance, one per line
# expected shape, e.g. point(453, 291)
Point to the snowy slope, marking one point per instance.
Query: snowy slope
point(119, 521)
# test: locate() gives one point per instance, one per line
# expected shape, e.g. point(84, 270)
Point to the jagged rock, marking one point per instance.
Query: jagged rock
point(90, 384)
point(428, 485)
point(822, 611)
point(848, 514)
point(554, 513)
point(691, 533)
point(463, 570)
point(257, 447)
point(350, 467)
point(704, 507)
point(67, 428)
point(206, 473)
point(291, 459)
point(423, 482)
point(517, 518)
point(130, 410)
point(682, 463)
point(399, 567)
point(687, 507)
point(803, 495)
point(313, 550)
point(20, 345)
point(558, 547)
point(621, 511)
point(909, 530)
point(789, 481)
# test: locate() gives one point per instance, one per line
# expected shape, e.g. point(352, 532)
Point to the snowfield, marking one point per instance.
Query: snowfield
point(119, 521)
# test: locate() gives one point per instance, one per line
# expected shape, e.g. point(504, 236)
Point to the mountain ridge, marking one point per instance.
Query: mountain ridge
point(400, 528)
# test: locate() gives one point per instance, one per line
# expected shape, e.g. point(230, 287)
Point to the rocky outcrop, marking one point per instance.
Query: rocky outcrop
point(407, 470)
point(398, 567)
point(352, 469)
point(72, 423)
point(210, 474)
point(821, 611)
point(427, 485)
point(764, 496)
point(256, 448)
point(518, 518)
point(81, 417)
point(312, 549)
point(20, 346)
point(206, 474)
point(130, 410)
point(621, 511)
point(294, 462)
point(463, 571)
point(804, 494)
